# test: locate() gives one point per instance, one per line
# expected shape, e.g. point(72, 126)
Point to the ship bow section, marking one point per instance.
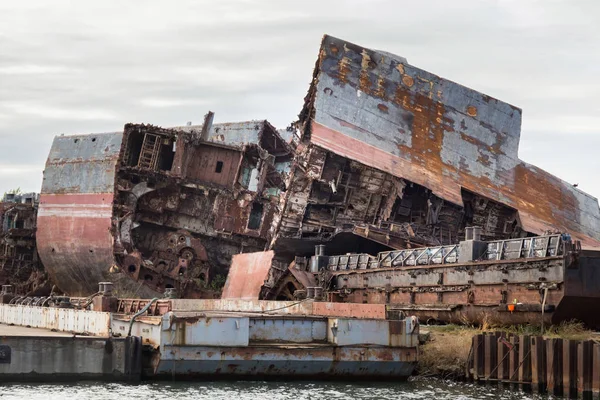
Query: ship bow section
point(74, 237)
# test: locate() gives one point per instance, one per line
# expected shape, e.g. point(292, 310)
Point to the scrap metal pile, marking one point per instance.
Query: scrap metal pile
point(163, 207)
point(384, 156)
point(19, 263)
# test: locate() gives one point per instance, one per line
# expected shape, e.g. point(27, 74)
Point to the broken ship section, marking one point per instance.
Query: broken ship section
point(20, 266)
point(410, 161)
point(164, 207)
point(405, 158)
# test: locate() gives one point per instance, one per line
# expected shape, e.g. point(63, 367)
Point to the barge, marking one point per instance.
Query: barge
point(179, 339)
point(217, 344)
point(514, 281)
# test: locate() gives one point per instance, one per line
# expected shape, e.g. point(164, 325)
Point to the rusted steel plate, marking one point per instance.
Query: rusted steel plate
point(305, 361)
point(238, 305)
point(247, 275)
point(377, 109)
point(293, 330)
point(240, 134)
point(351, 310)
point(305, 278)
point(74, 239)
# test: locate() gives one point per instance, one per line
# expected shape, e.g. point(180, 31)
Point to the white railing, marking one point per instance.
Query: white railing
point(530, 247)
point(61, 319)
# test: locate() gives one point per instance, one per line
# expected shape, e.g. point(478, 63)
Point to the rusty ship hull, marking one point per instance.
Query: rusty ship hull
point(165, 208)
point(405, 158)
point(408, 160)
point(74, 237)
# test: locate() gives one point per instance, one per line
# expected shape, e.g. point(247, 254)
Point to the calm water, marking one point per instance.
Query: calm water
point(424, 389)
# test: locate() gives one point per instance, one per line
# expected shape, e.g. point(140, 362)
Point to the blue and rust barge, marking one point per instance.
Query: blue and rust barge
point(150, 339)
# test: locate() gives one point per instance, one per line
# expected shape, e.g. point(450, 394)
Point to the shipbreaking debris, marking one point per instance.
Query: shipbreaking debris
point(400, 156)
point(404, 158)
point(165, 207)
point(19, 263)
point(385, 156)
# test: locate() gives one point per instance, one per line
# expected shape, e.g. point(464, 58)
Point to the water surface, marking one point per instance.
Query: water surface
point(248, 390)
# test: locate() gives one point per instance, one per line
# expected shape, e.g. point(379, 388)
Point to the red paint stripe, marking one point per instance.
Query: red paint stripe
point(76, 198)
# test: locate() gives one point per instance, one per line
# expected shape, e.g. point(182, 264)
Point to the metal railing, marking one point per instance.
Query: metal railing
point(509, 249)
point(531, 247)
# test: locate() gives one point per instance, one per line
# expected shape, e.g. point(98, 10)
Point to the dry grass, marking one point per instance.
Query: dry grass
point(566, 330)
point(447, 351)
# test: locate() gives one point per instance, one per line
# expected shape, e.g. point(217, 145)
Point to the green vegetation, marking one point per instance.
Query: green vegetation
point(217, 282)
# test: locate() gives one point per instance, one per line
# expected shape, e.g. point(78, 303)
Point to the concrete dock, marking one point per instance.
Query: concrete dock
point(15, 330)
point(34, 354)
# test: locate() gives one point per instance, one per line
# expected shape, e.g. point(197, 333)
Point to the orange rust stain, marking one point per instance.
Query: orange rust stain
point(364, 81)
point(540, 195)
point(382, 107)
point(400, 68)
point(484, 159)
point(334, 49)
point(344, 69)
point(497, 146)
point(366, 62)
point(428, 129)
point(322, 55)
point(356, 310)
point(472, 111)
point(408, 80)
point(472, 140)
point(380, 90)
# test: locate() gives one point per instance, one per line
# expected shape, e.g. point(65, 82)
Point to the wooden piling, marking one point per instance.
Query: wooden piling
point(584, 369)
point(514, 359)
point(554, 366)
point(538, 364)
point(503, 352)
point(524, 362)
point(491, 355)
point(569, 368)
point(596, 370)
point(478, 357)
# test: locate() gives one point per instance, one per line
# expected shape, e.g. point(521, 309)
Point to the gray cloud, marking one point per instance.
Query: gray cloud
point(77, 67)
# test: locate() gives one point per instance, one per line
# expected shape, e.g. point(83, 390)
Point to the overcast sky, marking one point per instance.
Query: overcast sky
point(92, 66)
